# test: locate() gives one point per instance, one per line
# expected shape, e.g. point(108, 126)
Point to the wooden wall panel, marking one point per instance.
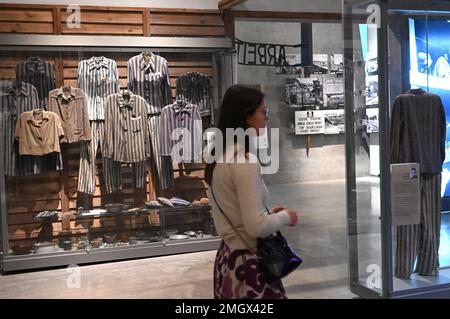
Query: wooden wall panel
point(16, 20)
point(104, 29)
point(112, 21)
point(187, 31)
point(107, 17)
point(20, 27)
point(9, 15)
point(204, 23)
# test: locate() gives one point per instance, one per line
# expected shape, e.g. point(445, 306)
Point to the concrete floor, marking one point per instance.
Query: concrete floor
point(320, 239)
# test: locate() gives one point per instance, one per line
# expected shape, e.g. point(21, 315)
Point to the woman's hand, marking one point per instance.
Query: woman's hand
point(277, 209)
point(292, 214)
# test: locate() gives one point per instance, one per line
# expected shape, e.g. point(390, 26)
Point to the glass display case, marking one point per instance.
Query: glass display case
point(396, 54)
point(71, 204)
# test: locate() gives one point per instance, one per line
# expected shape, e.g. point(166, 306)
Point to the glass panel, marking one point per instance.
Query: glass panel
point(76, 193)
point(307, 170)
point(418, 64)
point(363, 170)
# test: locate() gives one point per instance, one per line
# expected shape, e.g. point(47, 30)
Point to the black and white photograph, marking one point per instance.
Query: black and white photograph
point(372, 120)
point(320, 64)
point(337, 63)
point(372, 90)
point(334, 93)
point(372, 67)
point(292, 66)
point(334, 122)
point(306, 93)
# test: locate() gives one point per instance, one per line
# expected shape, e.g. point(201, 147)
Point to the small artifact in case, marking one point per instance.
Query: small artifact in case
point(21, 248)
point(153, 204)
point(110, 238)
point(114, 208)
point(176, 201)
point(165, 201)
point(46, 216)
point(44, 247)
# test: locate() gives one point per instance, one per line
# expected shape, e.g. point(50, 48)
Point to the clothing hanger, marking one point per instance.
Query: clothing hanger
point(147, 53)
point(182, 102)
point(125, 92)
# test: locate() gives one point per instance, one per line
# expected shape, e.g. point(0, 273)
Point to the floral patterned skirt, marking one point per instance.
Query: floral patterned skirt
point(237, 276)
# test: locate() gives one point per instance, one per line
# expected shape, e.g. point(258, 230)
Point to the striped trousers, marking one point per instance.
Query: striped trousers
point(421, 241)
point(112, 170)
point(113, 177)
point(162, 164)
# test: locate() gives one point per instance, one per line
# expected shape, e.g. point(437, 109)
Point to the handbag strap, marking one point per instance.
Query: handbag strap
point(231, 224)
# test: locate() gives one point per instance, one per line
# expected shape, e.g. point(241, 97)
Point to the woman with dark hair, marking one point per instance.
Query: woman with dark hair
point(237, 193)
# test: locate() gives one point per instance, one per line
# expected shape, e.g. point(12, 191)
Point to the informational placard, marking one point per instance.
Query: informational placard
point(405, 194)
point(309, 122)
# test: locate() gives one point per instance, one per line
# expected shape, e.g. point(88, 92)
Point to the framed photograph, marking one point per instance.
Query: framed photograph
point(334, 122)
point(372, 90)
point(334, 93)
point(320, 63)
point(306, 93)
point(337, 63)
point(372, 120)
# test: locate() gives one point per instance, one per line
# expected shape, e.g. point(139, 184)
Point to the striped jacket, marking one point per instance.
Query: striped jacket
point(127, 138)
point(98, 77)
point(40, 74)
point(418, 130)
point(149, 78)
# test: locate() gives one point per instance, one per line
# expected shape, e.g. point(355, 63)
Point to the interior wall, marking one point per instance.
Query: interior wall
point(182, 4)
point(326, 160)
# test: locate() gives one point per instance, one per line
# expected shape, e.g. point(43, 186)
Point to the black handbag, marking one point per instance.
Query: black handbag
point(276, 258)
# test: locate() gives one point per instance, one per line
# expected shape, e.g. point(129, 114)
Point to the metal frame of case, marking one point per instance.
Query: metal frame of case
point(105, 43)
point(349, 19)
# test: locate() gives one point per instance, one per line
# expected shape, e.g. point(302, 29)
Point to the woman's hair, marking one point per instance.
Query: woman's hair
point(238, 104)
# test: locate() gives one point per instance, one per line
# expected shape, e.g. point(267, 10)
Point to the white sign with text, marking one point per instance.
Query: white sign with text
point(309, 122)
point(405, 192)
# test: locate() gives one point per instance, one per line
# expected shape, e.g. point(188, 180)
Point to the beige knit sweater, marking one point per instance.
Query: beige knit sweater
point(241, 193)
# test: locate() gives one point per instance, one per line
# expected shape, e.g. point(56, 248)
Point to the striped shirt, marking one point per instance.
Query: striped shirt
point(150, 79)
point(182, 120)
point(98, 77)
point(15, 98)
point(40, 74)
point(127, 137)
point(195, 88)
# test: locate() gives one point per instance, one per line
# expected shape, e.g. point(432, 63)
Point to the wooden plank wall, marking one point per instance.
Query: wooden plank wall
point(57, 190)
point(111, 21)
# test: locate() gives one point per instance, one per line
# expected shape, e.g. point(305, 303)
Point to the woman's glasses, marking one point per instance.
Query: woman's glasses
point(266, 111)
